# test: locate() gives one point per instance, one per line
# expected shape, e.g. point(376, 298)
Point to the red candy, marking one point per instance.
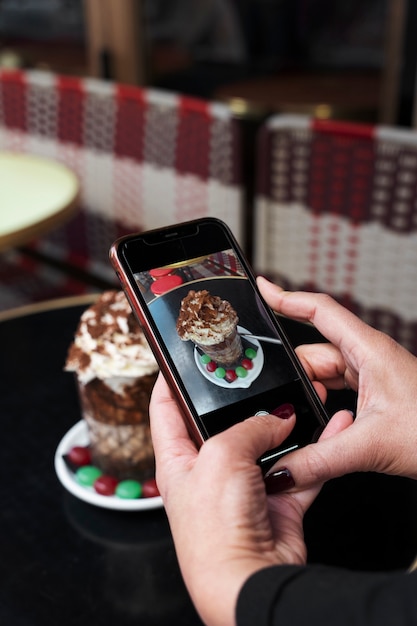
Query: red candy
point(231, 376)
point(211, 367)
point(247, 364)
point(150, 489)
point(105, 485)
point(80, 456)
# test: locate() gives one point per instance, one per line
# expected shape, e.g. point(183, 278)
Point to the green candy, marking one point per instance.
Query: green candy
point(250, 353)
point(129, 489)
point(87, 475)
point(220, 372)
point(205, 359)
point(241, 372)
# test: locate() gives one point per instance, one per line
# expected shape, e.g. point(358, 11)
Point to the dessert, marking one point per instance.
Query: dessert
point(211, 324)
point(115, 370)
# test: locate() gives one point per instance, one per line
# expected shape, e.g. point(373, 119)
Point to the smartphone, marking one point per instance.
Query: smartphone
point(220, 347)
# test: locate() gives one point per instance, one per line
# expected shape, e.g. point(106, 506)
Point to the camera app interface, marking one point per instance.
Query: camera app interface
point(219, 337)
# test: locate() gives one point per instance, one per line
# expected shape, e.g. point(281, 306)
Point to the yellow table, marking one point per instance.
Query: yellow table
point(36, 195)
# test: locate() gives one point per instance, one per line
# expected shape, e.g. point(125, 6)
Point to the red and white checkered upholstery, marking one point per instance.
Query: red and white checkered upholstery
point(145, 158)
point(336, 211)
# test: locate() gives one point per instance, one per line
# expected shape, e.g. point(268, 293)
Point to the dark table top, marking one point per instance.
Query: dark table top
point(64, 561)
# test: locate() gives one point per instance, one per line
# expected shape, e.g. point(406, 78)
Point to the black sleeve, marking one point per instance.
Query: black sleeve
point(327, 596)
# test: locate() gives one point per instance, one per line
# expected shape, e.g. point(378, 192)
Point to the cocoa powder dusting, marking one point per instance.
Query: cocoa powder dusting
point(202, 306)
point(109, 321)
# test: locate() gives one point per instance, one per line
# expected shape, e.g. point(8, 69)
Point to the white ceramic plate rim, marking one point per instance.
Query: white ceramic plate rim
point(78, 436)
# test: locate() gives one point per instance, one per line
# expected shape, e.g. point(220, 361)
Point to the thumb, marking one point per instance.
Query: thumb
point(246, 441)
point(339, 451)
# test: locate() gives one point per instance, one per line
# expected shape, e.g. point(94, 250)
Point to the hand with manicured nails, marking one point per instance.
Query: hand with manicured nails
point(383, 437)
point(224, 525)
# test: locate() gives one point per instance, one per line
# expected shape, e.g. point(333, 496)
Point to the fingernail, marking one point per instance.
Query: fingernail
point(279, 481)
point(284, 411)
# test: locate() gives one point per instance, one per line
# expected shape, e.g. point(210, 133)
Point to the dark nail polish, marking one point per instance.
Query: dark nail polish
point(284, 411)
point(279, 481)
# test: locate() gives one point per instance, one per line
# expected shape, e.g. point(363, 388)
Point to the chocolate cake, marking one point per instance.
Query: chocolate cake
point(115, 370)
point(210, 323)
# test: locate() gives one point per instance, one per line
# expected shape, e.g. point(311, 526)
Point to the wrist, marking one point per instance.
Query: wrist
point(215, 593)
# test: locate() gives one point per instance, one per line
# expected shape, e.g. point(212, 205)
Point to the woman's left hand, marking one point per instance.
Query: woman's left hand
point(224, 525)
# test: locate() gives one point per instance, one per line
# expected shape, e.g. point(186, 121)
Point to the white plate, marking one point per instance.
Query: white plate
point(78, 436)
point(239, 383)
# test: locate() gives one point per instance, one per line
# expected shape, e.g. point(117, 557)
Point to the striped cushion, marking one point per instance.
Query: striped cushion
point(336, 212)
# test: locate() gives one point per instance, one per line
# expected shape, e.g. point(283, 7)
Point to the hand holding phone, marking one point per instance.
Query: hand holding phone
point(220, 347)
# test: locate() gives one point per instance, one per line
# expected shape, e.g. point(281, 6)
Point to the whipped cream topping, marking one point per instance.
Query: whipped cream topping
point(110, 343)
point(205, 319)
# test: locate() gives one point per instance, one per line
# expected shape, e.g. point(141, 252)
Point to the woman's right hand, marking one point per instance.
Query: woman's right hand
point(383, 437)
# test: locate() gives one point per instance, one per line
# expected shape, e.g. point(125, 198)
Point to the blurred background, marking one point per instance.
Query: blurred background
point(348, 59)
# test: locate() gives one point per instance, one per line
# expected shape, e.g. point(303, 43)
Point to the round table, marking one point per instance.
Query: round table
point(36, 195)
point(75, 563)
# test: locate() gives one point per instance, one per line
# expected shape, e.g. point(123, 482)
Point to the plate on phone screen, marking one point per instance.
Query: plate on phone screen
point(78, 436)
point(252, 374)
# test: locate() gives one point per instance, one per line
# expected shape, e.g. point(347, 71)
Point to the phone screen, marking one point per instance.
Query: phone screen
point(230, 365)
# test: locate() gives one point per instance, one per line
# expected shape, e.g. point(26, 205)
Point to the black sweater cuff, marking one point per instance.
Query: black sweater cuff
point(327, 596)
